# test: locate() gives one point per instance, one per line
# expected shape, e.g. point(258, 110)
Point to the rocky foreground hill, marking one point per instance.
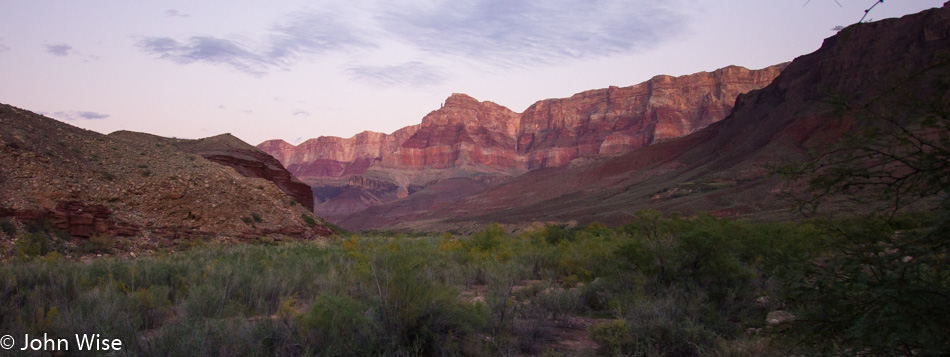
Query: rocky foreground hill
point(467, 146)
point(870, 71)
point(139, 185)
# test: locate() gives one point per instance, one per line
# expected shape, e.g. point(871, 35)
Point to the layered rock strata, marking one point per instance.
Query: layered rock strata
point(489, 143)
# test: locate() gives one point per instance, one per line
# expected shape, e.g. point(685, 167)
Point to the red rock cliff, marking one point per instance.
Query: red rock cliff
point(463, 132)
point(616, 120)
point(490, 143)
point(333, 158)
point(550, 133)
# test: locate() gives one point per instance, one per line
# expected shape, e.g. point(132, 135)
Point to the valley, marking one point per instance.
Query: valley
point(797, 209)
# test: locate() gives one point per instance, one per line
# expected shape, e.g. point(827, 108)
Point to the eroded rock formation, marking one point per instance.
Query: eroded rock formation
point(141, 185)
point(489, 143)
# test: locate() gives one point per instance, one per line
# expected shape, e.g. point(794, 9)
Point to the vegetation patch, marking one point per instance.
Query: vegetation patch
point(663, 285)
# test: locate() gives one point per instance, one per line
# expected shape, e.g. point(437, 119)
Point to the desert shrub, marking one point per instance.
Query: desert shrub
point(42, 225)
point(99, 243)
point(52, 257)
point(670, 324)
point(883, 290)
point(32, 244)
point(554, 234)
point(532, 328)
point(614, 338)
point(419, 313)
point(309, 220)
point(231, 337)
point(489, 238)
point(153, 303)
point(596, 295)
point(7, 227)
point(597, 229)
point(560, 304)
point(400, 295)
point(256, 217)
point(339, 325)
point(105, 306)
point(745, 346)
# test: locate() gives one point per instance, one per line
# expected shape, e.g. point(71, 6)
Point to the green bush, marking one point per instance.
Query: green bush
point(614, 338)
point(671, 324)
point(99, 243)
point(8, 227)
point(308, 219)
point(489, 238)
point(878, 289)
point(340, 325)
point(32, 244)
point(43, 225)
point(554, 234)
point(675, 286)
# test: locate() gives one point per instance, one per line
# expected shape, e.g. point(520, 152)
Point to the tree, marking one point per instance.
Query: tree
point(883, 286)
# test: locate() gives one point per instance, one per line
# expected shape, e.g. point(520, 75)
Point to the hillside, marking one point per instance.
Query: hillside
point(133, 185)
point(722, 168)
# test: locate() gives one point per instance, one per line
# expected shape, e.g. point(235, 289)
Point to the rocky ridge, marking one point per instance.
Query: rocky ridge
point(488, 143)
point(249, 161)
point(135, 185)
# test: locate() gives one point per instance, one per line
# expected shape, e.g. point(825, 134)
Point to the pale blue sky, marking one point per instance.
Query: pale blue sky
point(300, 69)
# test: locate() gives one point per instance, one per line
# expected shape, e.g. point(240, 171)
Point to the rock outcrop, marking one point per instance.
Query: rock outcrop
point(615, 121)
point(488, 143)
point(249, 161)
point(464, 132)
point(141, 185)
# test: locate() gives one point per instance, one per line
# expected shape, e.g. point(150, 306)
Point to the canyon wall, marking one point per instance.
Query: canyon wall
point(486, 142)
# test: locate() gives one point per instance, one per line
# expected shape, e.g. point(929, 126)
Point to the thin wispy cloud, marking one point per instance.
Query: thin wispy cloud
point(3, 48)
point(175, 13)
point(410, 74)
point(523, 33)
point(301, 113)
point(61, 50)
point(300, 34)
point(308, 32)
point(80, 115)
point(207, 49)
point(496, 33)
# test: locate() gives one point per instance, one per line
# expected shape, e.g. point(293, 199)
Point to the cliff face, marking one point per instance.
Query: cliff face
point(489, 143)
point(886, 70)
point(464, 132)
point(614, 121)
point(550, 133)
point(334, 159)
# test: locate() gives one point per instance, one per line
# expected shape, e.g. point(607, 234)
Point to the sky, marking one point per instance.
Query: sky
point(294, 69)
